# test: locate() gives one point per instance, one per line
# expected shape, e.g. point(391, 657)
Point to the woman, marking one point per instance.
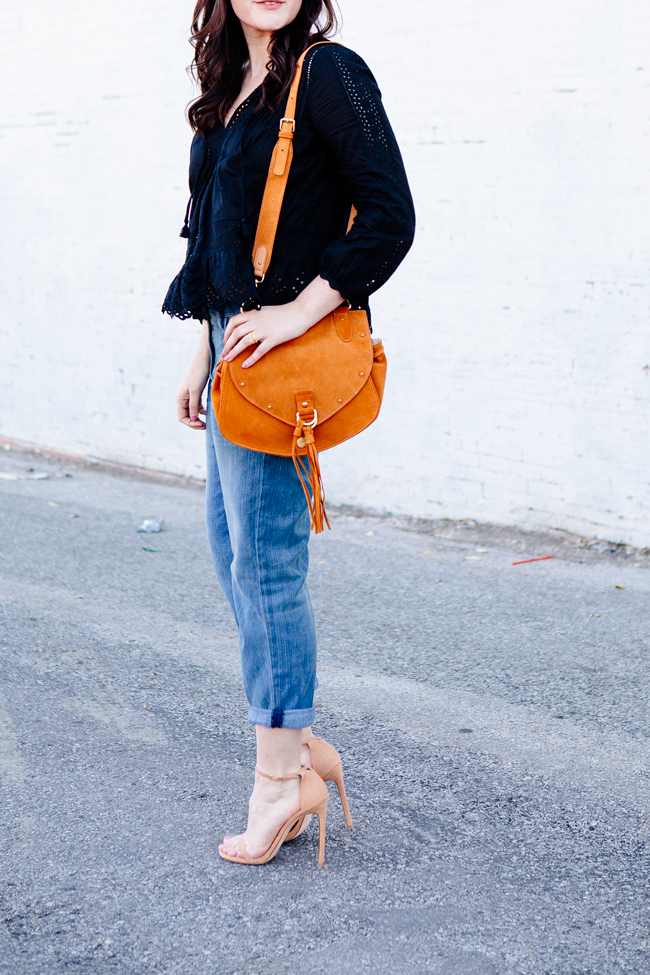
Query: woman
point(257, 517)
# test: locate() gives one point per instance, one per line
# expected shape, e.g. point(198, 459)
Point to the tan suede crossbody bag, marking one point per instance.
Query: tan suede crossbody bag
point(312, 392)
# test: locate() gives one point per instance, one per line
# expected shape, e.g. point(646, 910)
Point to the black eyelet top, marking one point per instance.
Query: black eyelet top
point(344, 152)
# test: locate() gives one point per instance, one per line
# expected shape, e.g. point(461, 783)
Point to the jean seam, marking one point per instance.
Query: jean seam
point(269, 655)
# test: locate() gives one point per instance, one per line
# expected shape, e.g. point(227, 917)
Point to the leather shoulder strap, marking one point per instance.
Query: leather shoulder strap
point(276, 181)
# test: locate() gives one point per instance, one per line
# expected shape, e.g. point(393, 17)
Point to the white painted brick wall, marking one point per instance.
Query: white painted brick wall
point(517, 329)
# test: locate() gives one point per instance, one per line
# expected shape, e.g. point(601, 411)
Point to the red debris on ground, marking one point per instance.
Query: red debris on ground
point(542, 559)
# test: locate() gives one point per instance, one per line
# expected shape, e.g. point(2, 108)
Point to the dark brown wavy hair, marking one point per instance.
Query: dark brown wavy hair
point(221, 56)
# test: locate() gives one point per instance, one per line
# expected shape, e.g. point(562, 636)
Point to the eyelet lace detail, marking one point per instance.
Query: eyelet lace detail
point(344, 152)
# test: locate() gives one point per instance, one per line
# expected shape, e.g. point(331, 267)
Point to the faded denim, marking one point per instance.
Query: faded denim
point(258, 530)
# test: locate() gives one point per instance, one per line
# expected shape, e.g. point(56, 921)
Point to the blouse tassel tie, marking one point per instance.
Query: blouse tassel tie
point(185, 232)
point(303, 437)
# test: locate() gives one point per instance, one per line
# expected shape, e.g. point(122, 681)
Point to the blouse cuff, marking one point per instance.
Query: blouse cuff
point(333, 284)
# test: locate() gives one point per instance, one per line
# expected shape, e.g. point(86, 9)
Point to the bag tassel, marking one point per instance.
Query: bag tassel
point(315, 500)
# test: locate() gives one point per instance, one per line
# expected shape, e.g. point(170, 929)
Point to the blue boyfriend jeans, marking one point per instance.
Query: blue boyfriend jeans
point(258, 530)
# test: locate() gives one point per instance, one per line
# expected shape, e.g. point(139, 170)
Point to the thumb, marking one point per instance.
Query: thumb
point(195, 404)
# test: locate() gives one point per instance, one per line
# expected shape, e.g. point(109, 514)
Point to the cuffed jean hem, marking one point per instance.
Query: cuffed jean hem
point(302, 718)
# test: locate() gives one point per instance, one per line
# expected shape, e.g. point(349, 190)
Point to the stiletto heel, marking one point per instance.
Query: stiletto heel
point(313, 800)
point(326, 762)
point(321, 812)
point(336, 775)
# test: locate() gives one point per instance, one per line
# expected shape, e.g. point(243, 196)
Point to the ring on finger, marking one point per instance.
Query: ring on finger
point(252, 337)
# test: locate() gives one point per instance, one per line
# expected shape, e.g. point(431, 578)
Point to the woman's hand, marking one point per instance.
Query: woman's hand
point(270, 326)
point(189, 397)
point(274, 324)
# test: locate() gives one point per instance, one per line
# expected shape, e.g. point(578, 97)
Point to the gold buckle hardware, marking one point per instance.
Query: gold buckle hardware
point(292, 121)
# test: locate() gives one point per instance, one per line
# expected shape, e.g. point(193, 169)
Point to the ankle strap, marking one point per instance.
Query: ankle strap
point(279, 778)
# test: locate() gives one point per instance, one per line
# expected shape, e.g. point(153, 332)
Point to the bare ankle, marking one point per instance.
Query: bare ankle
point(278, 751)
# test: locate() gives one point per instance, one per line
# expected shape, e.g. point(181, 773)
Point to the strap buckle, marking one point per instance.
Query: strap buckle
point(292, 123)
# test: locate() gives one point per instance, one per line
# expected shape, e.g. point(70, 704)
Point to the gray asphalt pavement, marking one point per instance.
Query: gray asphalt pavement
point(493, 719)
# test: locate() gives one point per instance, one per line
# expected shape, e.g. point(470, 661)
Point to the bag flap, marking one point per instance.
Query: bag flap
point(333, 359)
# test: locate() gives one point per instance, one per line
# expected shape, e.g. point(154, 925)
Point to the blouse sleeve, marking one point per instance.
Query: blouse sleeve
point(345, 108)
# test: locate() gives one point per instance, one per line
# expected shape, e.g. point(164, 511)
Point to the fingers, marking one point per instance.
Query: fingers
point(235, 322)
point(236, 337)
point(261, 349)
point(196, 406)
point(183, 404)
point(261, 330)
point(240, 343)
point(188, 408)
point(192, 424)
